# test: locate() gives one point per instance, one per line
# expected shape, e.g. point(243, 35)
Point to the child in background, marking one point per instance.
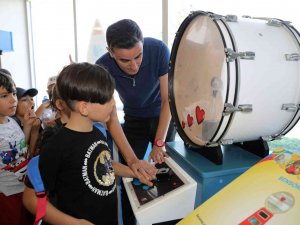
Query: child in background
point(26, 118)
point(76, 163)
point(13, 161)
point(62, 110)
point(63, 114)
point(62, 117)
point(50, 84)
point(44, 111)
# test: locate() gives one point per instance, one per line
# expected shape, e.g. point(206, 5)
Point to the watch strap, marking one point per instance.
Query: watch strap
point(159, 143)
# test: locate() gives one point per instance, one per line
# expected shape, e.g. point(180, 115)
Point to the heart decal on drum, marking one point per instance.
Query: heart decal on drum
point(189, 120)
point(200, 114)
point(183, 124)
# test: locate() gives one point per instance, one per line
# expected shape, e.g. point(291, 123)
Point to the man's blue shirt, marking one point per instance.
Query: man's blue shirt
point(140, 94)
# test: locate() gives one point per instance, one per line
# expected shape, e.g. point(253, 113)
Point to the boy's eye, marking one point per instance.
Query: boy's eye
point(3, 96)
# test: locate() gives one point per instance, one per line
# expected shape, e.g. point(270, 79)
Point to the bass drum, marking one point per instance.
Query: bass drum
point(234, 79)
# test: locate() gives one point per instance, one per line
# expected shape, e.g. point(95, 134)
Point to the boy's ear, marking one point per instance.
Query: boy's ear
point(59, 105)
point(83, 108)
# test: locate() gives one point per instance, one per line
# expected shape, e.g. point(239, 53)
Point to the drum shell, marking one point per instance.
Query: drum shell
point(202, 76)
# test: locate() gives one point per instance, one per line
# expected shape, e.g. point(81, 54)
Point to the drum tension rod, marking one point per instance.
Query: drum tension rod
point(292, 57)
point(229, 108)
point(291, 107)
point(231, 18)
point(272, 137)
point(277, 23)
point(232, 55)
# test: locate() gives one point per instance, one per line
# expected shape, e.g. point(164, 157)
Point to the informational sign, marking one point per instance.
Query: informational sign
point(268, 193)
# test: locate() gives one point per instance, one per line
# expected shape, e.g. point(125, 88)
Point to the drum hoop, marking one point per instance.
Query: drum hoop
point(175, 47)
point(294, 120)
point(227, 90)
point(290, 126)
point(237, 69)
point(173, 55)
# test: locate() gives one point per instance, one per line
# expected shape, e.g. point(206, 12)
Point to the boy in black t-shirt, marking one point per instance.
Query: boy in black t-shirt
point(76, 164)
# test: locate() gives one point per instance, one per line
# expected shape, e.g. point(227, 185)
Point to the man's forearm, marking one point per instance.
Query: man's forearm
point(116, 131)
point(164, 121)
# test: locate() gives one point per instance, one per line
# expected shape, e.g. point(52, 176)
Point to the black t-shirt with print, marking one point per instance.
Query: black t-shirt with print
point(76, 167)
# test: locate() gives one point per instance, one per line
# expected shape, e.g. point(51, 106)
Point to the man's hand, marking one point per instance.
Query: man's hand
point(144, 171)
point(158, 154)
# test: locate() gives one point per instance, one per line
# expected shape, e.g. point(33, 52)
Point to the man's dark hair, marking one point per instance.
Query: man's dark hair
point(7, 82)
point(123, 34)
point(85, 82)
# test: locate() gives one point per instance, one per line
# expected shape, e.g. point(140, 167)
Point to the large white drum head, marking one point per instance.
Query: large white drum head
point(198, 79)
point(230, 80)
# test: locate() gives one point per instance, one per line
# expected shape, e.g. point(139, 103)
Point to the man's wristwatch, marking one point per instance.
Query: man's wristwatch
point(159, 143)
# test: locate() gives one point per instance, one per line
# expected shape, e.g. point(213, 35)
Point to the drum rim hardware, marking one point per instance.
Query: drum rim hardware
point(230, 108)
point(232, 55)
point(292, 57)
point(271, 21)
point(231, 18)
point(277, 23)
point(290, 107)
point(272, 137)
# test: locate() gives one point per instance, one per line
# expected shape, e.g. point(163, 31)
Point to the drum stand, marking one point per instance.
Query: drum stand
point(257, 147)
point(215, 154)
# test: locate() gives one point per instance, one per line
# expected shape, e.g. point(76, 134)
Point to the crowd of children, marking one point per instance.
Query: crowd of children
point(13, 154)
point(75, 158)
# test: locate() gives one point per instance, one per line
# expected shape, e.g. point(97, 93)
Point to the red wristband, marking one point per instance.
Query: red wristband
point(159, 143)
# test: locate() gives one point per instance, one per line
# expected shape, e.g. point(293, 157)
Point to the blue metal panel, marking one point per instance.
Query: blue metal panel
point(209, 176)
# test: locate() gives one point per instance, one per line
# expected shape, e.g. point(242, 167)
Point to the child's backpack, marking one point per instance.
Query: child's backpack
point(37, 182)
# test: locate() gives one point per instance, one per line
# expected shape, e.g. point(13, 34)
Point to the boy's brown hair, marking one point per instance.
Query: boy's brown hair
point(85, 82)
point(7, 82)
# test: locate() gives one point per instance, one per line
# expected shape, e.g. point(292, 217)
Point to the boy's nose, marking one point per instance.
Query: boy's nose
point(31, 105)
point(13, 99)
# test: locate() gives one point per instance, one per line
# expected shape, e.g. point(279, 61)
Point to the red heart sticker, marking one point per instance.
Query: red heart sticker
point(189, 120)
point(200, 113)
point(183, 124)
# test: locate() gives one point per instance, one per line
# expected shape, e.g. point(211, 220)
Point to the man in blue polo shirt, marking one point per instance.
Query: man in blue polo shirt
point(140, 69)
